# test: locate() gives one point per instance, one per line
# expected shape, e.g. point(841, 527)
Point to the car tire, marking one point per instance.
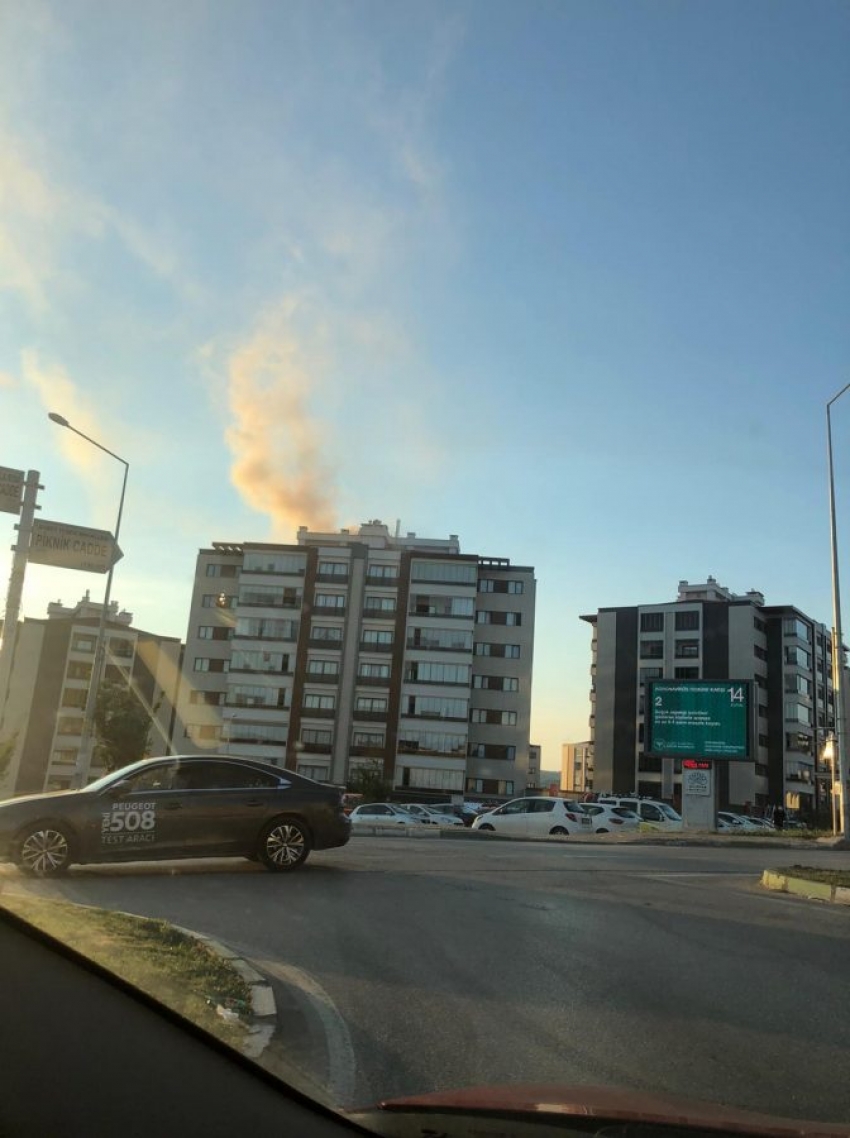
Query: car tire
point(284, 845)
point(44, 849)
point(559, 832)
point(487, 826)
point(602, 830)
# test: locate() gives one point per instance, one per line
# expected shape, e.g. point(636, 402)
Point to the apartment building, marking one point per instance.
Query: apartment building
point(577, 767)
point(361, 646)
point(709, 632)
point(50, 680)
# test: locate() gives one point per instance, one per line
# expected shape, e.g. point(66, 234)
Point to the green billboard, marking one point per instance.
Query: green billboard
point(706, 719)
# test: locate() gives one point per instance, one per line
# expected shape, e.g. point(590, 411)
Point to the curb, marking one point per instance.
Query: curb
point(455, 833)
point(262, 1021)
point(801, 887)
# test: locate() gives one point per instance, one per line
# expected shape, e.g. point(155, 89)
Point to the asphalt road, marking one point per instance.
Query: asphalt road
point(404, 966)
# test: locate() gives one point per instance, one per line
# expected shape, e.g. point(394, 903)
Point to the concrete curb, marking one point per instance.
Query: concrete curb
point(455, 833)
point(262, 1022)
point(801, 887)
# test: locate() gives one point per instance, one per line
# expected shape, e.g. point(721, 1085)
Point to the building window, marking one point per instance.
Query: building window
point(317, 701)
point(423, 604)
point(687, 620)
point(792, 626)
point(214, 632)
point(244, 660)
point(492, 585)
point(330, 601)
point(266, 628)
point(383, 572)
point(372, 636)
point(322, 667)
point(651, 649)
point(496, 683)
point(373, 739)
point(428, 672)
point(492, 716)
point(652, 622)
point(454, 573)
point(759, 625)
point(316, 736)
point(428, 778)
point(436, 707)
point(502, 788)
point(78, 670)
point(82, 644)
point(442, 639)
point(485, 616)
point(798, 684)
point(329, 634)
point(214, 570)
point(268, 733)
point(493, 751)
point(764, 740)
point(246, 695)
point(430, 742)
point(374, 671)
point(380, 604)
point(69, 725)
point(797, 657)
point(686, 649)
point(333, 569)
point(759, 653)
point(505, 651)
point(213, 698)
point(370, 704)
point(316, 773)
point(686, 673)
point(74, 697)
point(646, 674)
point(262, 561)
point(797, 712)
point(217, 601)
point(273, 596)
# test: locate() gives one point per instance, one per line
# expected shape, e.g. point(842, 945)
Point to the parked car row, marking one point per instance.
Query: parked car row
point(540, 817)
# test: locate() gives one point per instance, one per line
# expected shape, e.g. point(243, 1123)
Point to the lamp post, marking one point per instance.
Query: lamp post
point(837, 641)
point(828, 753)
point(84, 754)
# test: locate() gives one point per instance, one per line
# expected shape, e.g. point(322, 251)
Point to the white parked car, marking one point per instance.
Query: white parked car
point(611, 819)
point(728, 822)
point(653, 814)
point(536, 818)
point(382, 814)
point(430, 816)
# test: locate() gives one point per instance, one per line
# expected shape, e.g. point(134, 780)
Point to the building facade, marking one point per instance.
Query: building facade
point(710, 633)
point(361, 647)
point(50, 680)
point(577, 767)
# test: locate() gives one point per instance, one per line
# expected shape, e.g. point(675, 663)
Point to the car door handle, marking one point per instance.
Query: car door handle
point(172, 806)
point(255, 802)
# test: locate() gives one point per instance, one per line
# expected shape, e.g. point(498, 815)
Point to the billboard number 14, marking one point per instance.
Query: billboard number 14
point(736, 695)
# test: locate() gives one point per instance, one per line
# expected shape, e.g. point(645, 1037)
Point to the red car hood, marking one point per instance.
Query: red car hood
point(586, 1106)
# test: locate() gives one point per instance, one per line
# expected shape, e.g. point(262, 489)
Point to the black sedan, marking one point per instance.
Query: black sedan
point(176, 807)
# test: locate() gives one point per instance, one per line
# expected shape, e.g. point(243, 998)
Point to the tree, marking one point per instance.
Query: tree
point(370, 782)
point(122, 726)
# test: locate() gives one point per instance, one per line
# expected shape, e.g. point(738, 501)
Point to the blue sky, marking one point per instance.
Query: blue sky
point(568, 279)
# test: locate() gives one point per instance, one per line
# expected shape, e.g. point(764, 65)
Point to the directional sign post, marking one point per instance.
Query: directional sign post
point(11, 490)
point(73, 547)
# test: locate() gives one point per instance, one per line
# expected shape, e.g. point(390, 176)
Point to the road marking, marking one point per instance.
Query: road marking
point(342, 1065)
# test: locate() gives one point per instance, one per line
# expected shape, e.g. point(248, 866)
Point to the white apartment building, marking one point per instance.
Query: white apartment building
point(354, 647)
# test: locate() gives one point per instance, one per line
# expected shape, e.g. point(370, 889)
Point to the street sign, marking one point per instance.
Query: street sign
point(708, 719)
point(11, 490)
point(73, 547)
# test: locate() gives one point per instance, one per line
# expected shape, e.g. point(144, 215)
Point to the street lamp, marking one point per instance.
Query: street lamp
point(837, 640)
point(828, 754)
point(84, 754)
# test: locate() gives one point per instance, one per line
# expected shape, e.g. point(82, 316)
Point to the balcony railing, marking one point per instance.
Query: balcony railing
point(374, 681)
point(317, 712)
point(371, 646)
point(322, 678)
point(370, 716)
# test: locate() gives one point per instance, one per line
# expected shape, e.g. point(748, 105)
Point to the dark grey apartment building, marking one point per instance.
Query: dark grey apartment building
point(710, 633)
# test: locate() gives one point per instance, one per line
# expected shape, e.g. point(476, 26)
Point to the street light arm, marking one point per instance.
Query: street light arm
point(838, 396)
point(63, 422)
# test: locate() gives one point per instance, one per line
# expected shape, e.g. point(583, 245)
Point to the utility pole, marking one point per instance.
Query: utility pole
point(15, 591)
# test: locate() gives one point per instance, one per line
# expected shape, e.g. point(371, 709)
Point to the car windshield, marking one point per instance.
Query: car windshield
point(412, 423)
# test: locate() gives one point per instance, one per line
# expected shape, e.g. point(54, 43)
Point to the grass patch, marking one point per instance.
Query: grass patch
point(152, 955)
point(840, 877)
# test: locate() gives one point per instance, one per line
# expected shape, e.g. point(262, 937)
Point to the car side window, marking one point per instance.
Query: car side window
point(154, 778)
point(380, 810)
point(539, 806)
point(221, 776)
point(588, 809)
point(650, 813)
point(518, 807)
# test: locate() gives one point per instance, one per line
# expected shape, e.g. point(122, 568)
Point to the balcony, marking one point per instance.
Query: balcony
point(323, 642)
point(322, 678)
point(370, 716)
point(328, 610)
point(379, 614)
point(332, 578)
point(374, 681)
point(360, 752)
point(318, 712)
point(232, 671)
point(315, 748)
point(369, 646)
point(382, 582)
